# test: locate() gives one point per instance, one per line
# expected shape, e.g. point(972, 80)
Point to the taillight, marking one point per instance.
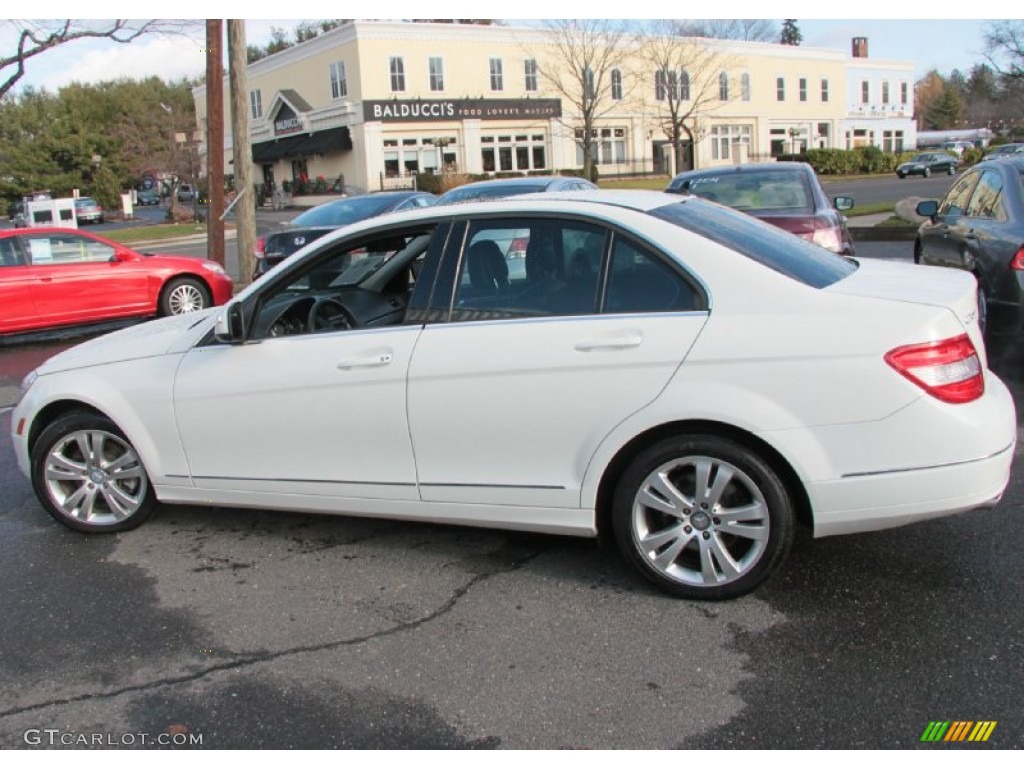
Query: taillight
point(949, 370)
point(828, 237)
point(260, 252)
point(1018, 260)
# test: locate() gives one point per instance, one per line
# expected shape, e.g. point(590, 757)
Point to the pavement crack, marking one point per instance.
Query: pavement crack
point(248, 660)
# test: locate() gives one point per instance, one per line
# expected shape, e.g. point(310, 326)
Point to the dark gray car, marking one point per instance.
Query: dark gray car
point(979, 226)
point(495, 188)
point(313, 224)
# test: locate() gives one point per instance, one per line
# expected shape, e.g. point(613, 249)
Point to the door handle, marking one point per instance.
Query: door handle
point(45, 279)
point(374, 360)
point(624, 341)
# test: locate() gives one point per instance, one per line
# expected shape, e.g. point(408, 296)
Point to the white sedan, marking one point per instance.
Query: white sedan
point(669, 371)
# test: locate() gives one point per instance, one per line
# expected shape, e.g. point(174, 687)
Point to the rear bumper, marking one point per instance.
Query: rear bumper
point(851, 505)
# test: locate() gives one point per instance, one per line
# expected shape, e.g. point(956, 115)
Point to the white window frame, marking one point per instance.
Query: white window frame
point(435, 69)
point(396, 71)
point(885, 91)
point(780, 88)
point(723, 136)
point(256, 104)
point(530, 75)
point(723, 86)
point(339, 83)
point(497, 75)
point(865, 92)
point(616, 85)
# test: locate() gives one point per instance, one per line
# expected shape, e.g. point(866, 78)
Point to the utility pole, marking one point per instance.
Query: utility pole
point(245, 209)
point(215, 140)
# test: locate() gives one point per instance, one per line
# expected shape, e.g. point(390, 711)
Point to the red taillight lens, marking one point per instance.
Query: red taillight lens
point(1018, 260)
point(949, 370)
point(261, 248)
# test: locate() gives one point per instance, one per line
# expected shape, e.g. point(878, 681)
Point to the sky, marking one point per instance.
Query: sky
point(943, 44)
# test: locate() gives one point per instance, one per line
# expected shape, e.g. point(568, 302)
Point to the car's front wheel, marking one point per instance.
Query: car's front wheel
point(952, 170)
point(183, 295)
point(703, 516)
point(89, 477)
point(927, 172)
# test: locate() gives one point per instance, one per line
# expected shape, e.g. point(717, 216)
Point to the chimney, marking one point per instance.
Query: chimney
point(860, 47)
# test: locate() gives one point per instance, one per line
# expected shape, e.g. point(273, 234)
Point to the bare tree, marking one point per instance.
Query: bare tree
point(582, 58)
point(688, 81)
point(749, 30)
point(36, 36)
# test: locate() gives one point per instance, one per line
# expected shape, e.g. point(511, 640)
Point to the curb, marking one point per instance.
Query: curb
point(188, 240)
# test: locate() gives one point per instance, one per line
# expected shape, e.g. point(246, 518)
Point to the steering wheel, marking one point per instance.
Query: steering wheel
point(328, 314)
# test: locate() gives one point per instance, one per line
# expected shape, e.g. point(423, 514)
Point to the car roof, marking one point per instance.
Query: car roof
point(746, 168)
point(518, 181)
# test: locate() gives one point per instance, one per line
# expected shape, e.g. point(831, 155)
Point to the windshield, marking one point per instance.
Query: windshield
point(747, 191)
point(342, 212)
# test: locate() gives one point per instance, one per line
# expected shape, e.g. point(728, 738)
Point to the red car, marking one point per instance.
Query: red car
point(52, 277)
point(786, 194)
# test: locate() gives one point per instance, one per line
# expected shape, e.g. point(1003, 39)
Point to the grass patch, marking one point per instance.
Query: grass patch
point(154, 232)
point(870, 208)
point(898, 221)
point(657, 183)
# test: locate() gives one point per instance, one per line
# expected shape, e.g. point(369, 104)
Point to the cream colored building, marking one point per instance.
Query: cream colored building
point(376, 101)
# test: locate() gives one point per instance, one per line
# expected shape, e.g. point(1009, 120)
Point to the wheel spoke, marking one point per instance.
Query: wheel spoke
point(60, 467)
point(119, 501)
point(666, 558)
point(656, 541)
point(702, 477)
point(748, 513)
point(723, 476)
point(715, 559)
point(667, 498)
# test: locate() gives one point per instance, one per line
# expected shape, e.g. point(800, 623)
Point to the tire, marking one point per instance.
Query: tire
point(927, 172)
point(902, 175)
point(183, 295)
point(952, 171)
point(88, 476)
point(713, 550)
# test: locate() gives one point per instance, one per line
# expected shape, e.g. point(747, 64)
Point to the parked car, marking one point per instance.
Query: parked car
point(311, 225)
point(147, 197)
point(88, 210)
point(495, 188)
point(957, 147)
point(185, 193)
point(927, 163)
point(1004, 150)
point(393, 369)
point(979, 227)
point(51, 277)
point(786, 194)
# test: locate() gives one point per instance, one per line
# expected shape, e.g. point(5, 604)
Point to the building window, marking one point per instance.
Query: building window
point(530, 70)
point(745, 86)
point(885, 91)
point(397, 67)
point(339, 86)
point(802, 82)
point(616, 85)
point(522, 152)
point(824, 89)
point(723, 87)
point(723, 137)
point(256, 104)
point(436, 67)
point(607, 144)
point(903, 93)
point(684, 86)
point(497, 83)
point(780, 89)
point(588, 84)
point(660, 85)
point(865, 92)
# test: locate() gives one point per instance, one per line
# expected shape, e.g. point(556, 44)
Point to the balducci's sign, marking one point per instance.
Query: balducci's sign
point(407, 111)
point(286, 121)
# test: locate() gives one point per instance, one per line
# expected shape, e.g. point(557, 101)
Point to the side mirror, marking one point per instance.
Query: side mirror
point(928, 209)
point(843, 203)
point(230, 325)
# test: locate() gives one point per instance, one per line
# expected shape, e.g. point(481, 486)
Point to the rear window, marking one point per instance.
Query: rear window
point(761, 191)
point(341, 213)
point(776, 249)
point(489, 192)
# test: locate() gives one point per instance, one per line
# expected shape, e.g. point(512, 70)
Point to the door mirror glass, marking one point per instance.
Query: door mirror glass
point(843, 203)
point(927, 208)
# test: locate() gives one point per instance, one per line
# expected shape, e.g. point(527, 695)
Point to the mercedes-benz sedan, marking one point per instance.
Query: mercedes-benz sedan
point(681, 376)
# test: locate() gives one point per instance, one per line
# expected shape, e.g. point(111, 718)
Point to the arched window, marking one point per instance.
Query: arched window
point(723, 87)
point(616, 85)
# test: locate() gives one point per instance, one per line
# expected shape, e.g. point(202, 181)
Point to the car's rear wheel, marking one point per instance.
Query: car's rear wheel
point(89, 477)
point(183, 295)
point(902, 175)
point(703, 517)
